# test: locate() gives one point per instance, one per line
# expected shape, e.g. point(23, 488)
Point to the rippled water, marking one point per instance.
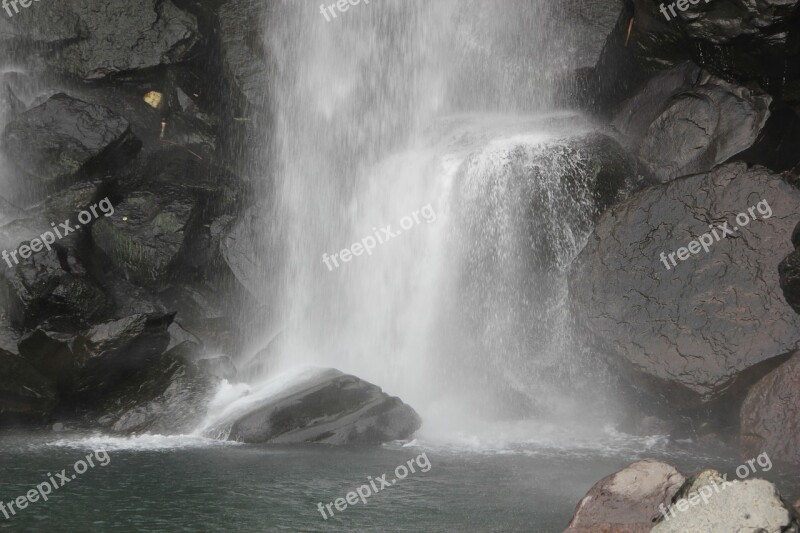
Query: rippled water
point(476, 482)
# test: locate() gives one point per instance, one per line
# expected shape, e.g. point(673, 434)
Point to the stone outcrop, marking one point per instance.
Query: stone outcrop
point(770, 415)
point(688, 333)
point(627, 501)
point(686, 121)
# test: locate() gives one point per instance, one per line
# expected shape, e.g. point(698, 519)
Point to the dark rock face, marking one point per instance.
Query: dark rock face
point(244, 58)
point(242, 247)
point(97, 359)
point(52, 283)
point(167, 397)
point(326, 407)
point(53, 143)
point(685, 121)
point(146, 235)
point(748, 41)
point(26, 397)
point(124, 36)
point(770, 416)
point(688, 332)
point(627, 501)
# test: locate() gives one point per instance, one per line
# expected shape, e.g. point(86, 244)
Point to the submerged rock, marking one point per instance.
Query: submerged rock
point(688, 333)
point(627, 501)
point(323, 406)
point(770, 416)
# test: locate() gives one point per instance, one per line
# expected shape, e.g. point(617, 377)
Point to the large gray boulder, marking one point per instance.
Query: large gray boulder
point(770, 415)
point(687, 332)
point(685, 121)
point(319, 406)
point(627, 501)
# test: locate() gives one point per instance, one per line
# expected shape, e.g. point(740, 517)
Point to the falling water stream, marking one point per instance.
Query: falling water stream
point(435, 120)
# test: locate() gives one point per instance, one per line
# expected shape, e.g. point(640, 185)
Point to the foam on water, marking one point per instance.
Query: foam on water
point(145, 442)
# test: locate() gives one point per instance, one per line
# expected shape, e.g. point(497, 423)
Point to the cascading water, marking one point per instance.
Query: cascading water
point(465, 308)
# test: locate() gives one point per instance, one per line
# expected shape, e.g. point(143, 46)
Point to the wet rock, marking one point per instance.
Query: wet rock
point(627, 501)
point(593, 21)
point(52, 283)
point(69, 202)
point(33, 28)
point(685, 121)
point(26, 397)
point(244, 57)
point(124, 37)
point(321, 406)
point(245, 247)
point(746, 41)
point(770, 415)
point(160, 230)
point(168, 398)
point(751, 505)
point(90, 363)
point(146, 234)
point(53, 144)
point(789, 272)
point(688, 334)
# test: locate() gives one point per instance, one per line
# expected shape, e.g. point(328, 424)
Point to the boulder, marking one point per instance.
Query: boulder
point(689, 332)
point(124, 37)
point(90, 363)
point(168, 397)
point(686, 121)
point(770, 415)
point(750, 505)
point(54, 143)
point(317, 406)
point(49, 284)
point(33, 28)
point(163, 227)
point(748, 41)
point(26, 397)
point(627, 501)
point(146, 235)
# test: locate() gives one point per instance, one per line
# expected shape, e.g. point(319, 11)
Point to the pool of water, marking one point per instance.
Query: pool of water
point(153, 483)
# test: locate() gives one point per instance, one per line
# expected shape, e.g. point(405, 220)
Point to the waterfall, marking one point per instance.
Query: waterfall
point(395, 113)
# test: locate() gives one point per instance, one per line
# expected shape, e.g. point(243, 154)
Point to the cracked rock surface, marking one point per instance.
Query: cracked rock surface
point(770, 415)
point(690, 330)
